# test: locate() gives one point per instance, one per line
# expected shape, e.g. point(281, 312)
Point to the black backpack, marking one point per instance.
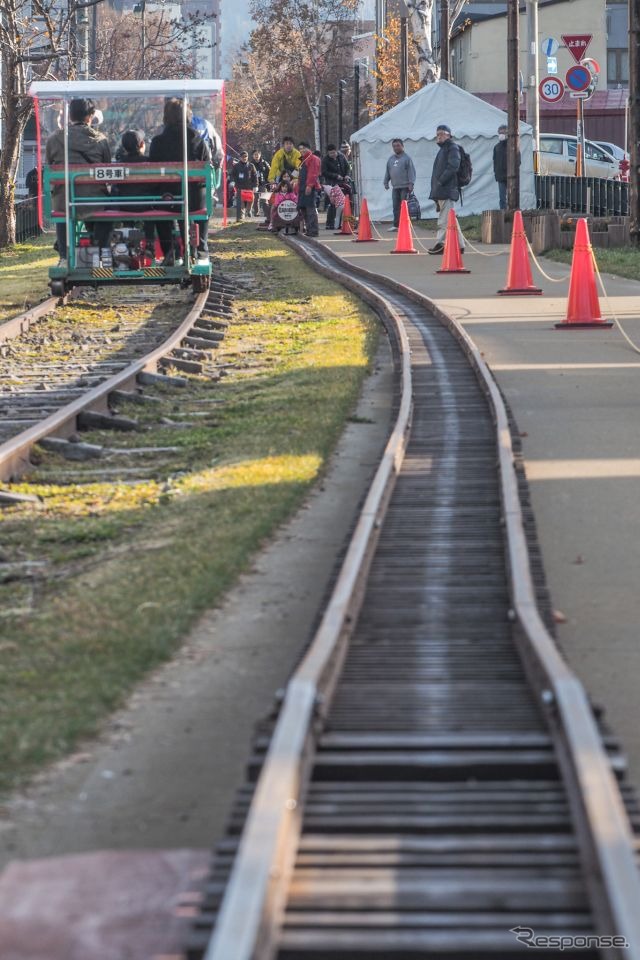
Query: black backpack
point(465, 170)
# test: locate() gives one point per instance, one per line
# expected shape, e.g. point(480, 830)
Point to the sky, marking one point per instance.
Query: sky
point(236, 25)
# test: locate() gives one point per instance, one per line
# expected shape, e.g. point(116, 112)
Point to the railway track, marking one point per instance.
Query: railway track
point(48, 402)
point(435, 783)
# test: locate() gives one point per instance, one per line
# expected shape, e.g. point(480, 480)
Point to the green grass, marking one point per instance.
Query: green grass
point(470, 225)
point(23, 275)
point(622, 261)
point(129, 567)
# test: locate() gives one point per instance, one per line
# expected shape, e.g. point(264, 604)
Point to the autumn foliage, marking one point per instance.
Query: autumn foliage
point(387, 72)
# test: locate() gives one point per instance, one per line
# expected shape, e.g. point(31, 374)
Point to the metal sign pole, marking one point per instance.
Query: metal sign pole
point(186, 231)
point(71, 250)
point(580, 168)
point(513, 75)
point(634, 120)
point(533, 96)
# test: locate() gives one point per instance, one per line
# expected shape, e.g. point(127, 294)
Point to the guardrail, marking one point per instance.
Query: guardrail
point(588, 195)
point(27, 219)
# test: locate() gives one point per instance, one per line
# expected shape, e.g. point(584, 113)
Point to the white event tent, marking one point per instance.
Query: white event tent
point(474, 124)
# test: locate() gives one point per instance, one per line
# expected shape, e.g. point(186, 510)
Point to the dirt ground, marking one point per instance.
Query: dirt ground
point(164, 772)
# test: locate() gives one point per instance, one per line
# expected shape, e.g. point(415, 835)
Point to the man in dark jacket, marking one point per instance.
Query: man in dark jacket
point(262, 169)
point(167, 146)
point(245, 177)
point(334, 171)
point(500, 165)
point(85, 145)
point(444, 185)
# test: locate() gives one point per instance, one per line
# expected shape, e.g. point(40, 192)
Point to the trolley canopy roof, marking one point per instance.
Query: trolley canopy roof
point(69, 89)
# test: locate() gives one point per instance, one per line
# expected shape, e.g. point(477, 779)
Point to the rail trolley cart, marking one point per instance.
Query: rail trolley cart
point(155, 192)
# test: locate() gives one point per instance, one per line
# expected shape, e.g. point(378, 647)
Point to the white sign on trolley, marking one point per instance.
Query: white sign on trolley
point(551, 89)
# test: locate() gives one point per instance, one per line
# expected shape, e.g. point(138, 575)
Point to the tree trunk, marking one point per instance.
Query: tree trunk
point(13, 128)
point(420, 20)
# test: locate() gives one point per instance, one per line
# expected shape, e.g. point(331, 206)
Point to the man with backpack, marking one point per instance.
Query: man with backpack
point(447, 177)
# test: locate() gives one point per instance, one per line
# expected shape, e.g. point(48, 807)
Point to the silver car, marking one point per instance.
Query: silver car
point(557, 157)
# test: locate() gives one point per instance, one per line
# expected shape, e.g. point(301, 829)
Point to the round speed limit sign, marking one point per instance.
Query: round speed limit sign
point(551, 89)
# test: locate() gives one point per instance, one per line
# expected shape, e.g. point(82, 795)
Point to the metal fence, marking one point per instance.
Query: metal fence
point(588, 195)
point(27, 219)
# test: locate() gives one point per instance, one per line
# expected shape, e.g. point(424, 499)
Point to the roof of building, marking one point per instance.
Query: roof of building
point(602, 101)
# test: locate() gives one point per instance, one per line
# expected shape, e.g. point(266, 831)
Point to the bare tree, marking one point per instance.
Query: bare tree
point(421, 23)
point(314, 35)
point(34, 42)
point(264, 98)
point(158, 47)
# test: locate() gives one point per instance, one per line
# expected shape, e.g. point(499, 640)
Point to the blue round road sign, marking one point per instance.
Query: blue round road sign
point(578, 78)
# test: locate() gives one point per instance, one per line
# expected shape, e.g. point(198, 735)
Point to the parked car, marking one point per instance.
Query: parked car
point(623, 158)
point(616, 152)
point(558, 157)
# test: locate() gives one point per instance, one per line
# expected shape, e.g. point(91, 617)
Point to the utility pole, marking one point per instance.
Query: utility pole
point(143, 23)
point(533, 100)
point(634, 120)
point(341, 85)
point(356, 96)
point(404, 58)
point(444, 39)
point(141, 8)
point(327, 134)
point(82, 26)
point(513, 106)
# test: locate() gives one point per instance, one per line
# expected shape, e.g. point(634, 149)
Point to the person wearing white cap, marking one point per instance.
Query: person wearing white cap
point(444, 184)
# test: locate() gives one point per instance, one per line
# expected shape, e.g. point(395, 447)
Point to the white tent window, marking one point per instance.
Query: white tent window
point(474, 125)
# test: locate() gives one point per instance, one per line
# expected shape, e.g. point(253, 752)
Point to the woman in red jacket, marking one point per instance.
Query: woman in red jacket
point(308, 184)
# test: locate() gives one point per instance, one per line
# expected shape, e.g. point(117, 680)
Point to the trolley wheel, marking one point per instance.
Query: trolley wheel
point(200, 283)
point(57, 288)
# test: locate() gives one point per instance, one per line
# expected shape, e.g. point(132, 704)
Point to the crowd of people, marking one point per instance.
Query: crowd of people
point(256, 187)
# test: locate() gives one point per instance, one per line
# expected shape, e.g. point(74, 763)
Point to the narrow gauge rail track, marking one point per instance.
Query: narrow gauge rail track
point(81, 390)
point(435, 776)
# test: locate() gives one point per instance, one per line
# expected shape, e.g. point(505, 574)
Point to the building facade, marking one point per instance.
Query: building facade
point(476, 67)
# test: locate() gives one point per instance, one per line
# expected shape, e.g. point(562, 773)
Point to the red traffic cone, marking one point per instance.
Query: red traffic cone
point(519, 279)
point(364, 225)
point(404, 243)
point(346, 230)
point(583, 306)
point(452, 258)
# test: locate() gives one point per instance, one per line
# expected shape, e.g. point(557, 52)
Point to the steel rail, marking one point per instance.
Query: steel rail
point(254, 899)
point(602, 827)
point(14, 453)
point(18, 325)
point(253, 902)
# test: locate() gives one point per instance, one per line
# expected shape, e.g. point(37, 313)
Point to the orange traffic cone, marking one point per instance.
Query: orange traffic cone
point(583, 307)
point(364, 225)
point(519, 279)
point(346, 230)
point(452, 257)
point(404, 243)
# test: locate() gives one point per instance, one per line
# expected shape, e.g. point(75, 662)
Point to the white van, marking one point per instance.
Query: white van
point(557, 157)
